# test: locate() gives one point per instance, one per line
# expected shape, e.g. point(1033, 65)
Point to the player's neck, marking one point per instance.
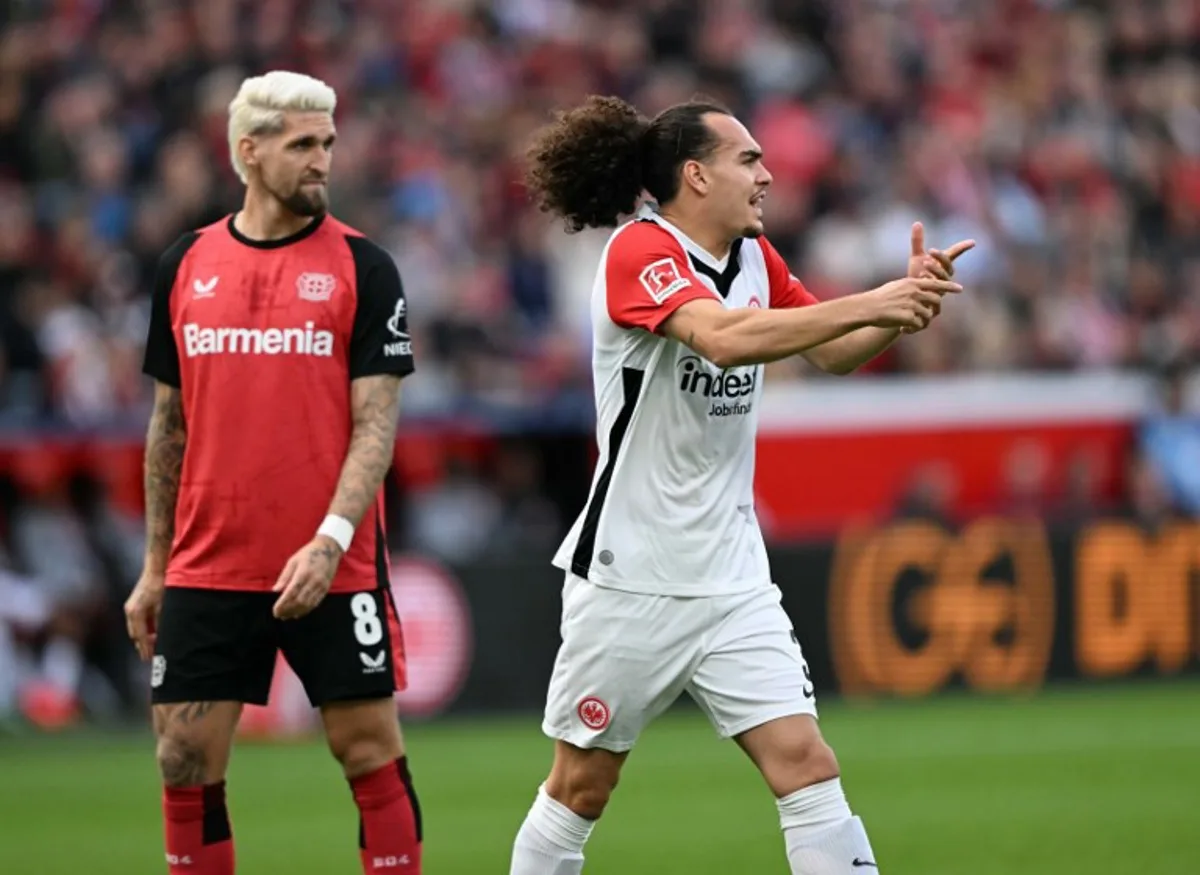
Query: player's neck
point(265, 218)
point(713, 241)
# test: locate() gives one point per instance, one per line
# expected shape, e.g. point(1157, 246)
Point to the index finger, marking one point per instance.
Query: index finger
point(136, 628)
point(918, 239)
point(288, 605)
point(287, 600)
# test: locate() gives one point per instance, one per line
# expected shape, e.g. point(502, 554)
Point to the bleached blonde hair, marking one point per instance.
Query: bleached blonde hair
point(261, 101)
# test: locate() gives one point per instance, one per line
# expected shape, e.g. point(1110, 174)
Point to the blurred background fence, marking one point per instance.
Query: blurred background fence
point(1006, 499)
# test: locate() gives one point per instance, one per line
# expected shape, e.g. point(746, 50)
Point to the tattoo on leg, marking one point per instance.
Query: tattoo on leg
point(182, 764)
point(192, 712)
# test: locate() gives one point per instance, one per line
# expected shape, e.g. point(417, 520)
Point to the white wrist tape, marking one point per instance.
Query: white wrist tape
point(338, 528)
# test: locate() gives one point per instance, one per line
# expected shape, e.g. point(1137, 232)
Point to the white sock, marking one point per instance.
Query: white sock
point(551, 840)
point(822, 836)
point(62, 664)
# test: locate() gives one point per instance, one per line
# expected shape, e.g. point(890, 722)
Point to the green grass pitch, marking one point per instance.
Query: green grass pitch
point(1094, 781)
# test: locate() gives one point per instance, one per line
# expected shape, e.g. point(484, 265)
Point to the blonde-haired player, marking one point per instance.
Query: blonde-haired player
point(278, 340)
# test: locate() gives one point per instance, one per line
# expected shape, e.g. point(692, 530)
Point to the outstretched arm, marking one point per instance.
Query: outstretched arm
point(730, 338)
point(650, 285)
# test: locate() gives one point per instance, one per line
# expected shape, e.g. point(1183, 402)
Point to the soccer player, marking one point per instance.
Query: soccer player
point(667, 586)
point(277, 344)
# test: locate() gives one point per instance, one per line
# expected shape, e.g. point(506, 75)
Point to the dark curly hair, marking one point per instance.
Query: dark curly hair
point(592, 162)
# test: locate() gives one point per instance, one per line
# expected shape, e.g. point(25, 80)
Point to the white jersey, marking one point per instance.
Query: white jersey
point(671, 508)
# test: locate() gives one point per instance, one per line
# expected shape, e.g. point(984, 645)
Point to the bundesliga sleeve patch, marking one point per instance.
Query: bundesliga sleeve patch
point(662, 279)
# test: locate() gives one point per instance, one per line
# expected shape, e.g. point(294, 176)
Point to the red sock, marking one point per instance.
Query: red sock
point(389, 833)
point(199, 840)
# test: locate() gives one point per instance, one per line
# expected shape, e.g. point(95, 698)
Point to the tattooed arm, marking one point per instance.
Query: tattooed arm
point(165, 442)
point(380, 355)
point(374, 402)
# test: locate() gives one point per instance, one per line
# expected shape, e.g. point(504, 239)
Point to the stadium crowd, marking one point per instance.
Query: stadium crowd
point(1063, 136)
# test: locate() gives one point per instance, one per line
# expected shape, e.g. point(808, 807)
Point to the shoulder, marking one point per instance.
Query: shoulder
point(633, 242)
point(366, 252)
point(188, 239)
point(369, 256)
point(179, 248)
point(173, 255)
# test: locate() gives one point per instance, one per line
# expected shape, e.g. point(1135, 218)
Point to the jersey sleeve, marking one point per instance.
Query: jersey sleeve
point(647, 277)
point(380, 342)
point(786, 291)
point(161, 360)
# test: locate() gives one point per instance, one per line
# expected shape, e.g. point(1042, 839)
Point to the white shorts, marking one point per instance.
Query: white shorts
point(626, 657)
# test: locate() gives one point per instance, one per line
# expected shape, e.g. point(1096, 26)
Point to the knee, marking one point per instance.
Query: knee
point(810, 763)
point(362, 750)
point(181, 761)
point(584, 786)
point(803, 764)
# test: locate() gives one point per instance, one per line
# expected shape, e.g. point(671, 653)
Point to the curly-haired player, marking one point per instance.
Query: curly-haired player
point(667, 582)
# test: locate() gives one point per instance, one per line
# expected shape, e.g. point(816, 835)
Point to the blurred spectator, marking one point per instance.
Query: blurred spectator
point(1082, 499)
point(529, 523)
point(455, 518)
point(1025, 477)
point(25, 615)
point(1149, 503)
point(1170, 442)
point(929, 495)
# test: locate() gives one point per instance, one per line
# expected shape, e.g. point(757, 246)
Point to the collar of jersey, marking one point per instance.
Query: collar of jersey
point(647, 211)
point(307, 231)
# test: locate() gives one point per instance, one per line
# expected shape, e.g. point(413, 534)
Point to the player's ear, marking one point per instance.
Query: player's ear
point(695, 176)
point(248, 152)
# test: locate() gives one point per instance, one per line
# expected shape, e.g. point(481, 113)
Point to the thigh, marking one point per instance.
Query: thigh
point(213, 646)
point(349, 647)
point(625, 657)
point(752, 669)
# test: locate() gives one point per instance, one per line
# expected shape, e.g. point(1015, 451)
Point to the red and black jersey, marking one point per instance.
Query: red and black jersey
point(263, 338)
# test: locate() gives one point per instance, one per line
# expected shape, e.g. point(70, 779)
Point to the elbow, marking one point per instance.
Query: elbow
point(831, 364)
point(724, 360)
point(840, 369)
point(724, 357)
point(720, 349)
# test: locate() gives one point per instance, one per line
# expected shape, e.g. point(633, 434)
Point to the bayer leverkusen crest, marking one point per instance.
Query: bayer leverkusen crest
point(315, 286)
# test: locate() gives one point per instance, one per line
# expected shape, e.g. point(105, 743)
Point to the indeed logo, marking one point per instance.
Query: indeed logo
point(697, 379)
point(257, 341)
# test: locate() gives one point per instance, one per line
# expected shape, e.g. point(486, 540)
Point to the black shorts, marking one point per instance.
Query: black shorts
point(221, 645)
